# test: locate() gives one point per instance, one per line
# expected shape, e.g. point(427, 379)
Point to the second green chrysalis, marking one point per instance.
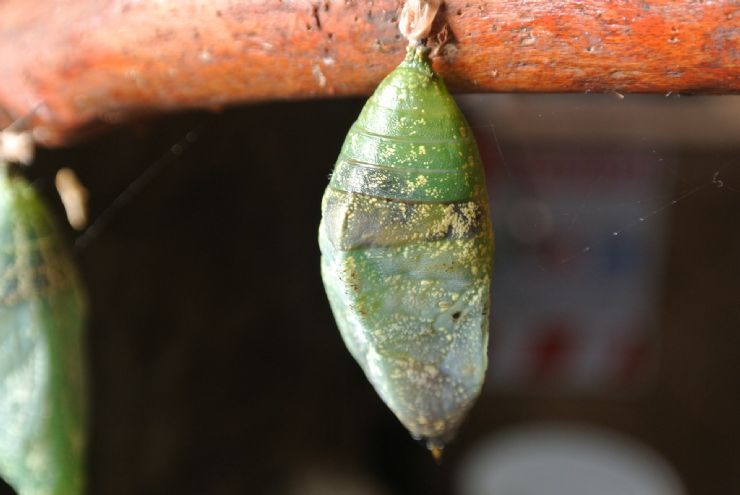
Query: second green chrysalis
point(42, 358)
point(407, 251)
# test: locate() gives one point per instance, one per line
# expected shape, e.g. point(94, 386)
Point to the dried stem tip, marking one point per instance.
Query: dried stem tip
point(416, 19)
point(436, 453)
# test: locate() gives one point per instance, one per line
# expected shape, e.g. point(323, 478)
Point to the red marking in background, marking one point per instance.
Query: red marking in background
point(551, 350)
point(632, 356)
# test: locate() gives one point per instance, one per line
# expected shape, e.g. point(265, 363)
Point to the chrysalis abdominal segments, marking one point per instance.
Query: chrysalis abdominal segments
point(407, 251)
point(42, 358)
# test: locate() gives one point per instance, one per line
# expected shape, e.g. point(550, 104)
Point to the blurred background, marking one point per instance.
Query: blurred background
point(615, 345)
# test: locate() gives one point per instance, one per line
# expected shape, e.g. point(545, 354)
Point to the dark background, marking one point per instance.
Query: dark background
point(217, 367)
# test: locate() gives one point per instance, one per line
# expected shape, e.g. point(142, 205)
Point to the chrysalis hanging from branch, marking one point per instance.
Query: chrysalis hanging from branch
point(407, 245)
point(42, 356)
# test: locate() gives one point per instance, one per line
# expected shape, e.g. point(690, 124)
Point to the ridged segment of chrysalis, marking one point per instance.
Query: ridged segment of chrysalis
point(407, 251)
point(42, 385)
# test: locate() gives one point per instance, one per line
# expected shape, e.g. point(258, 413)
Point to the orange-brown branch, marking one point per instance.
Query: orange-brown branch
point(80, 62)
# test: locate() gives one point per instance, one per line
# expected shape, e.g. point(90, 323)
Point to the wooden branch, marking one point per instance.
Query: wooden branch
point(82, 62)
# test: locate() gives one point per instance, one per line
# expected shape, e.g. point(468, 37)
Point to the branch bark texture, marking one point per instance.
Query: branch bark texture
point(76, 63)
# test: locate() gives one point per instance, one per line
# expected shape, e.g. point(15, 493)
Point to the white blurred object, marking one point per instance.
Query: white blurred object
point(74, 197)
point(565, 459)
point(16, 147)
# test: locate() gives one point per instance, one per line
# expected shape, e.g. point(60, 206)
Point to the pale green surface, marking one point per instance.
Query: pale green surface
point(407, 251)
point(42, 387)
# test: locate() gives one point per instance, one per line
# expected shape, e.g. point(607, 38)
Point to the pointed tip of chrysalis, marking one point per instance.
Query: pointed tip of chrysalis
point(436, 448)
point(417, 57)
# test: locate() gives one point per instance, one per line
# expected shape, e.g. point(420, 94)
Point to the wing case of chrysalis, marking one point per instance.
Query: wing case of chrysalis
point(42, 313)
point(407, 251)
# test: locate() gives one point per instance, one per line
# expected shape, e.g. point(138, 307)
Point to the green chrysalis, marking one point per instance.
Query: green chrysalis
point(407, 251)
point(42, 385)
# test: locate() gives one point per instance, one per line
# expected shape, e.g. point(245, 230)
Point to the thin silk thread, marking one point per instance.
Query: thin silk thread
point(416, 19)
